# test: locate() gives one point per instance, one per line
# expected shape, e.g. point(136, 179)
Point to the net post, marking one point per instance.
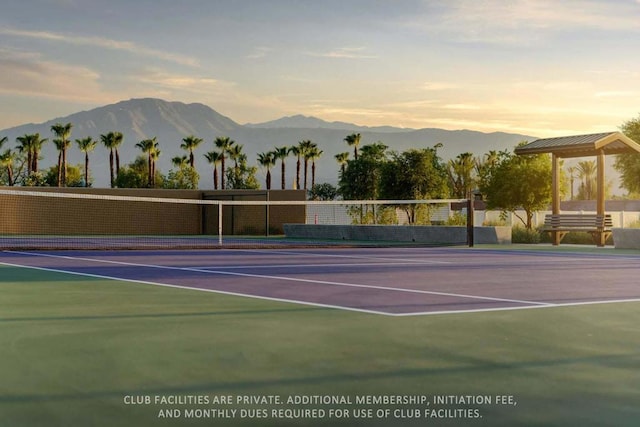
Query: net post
point(219, 223)
point(470, 219)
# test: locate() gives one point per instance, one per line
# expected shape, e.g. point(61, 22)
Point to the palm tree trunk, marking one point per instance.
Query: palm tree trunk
point(222, 172)
point(64, 166)
point(10, 175)
point(117, 162)
point(111, 167)
point(60, 169)
point(268, 180)
point(215, 178)
point(86, 169)
point(283, 174)
point(298, 174)
point(313, 174)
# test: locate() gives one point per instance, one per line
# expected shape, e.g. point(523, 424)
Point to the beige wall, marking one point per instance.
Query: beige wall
point(66, 216)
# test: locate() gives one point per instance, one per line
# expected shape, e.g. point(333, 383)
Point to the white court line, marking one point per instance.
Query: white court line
point(249, 266)
point(167, 285)
point(315, 254)
point(383, 313)
point(284, 278)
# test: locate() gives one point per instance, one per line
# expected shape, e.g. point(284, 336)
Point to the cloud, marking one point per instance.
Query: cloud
point(344, 53)
point(176, 81)
point(521, 22)
point(259, 52)
point(104, 43)
point(26, 74)
point(434, 86)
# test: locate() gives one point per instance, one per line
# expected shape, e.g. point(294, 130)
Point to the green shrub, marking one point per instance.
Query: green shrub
point(523, 235)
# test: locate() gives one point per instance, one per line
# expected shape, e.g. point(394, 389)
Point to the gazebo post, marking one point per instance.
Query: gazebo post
point(600, 166)
point(555, 193)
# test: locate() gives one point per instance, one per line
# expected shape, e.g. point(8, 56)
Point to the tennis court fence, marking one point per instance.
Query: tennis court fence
point(36, 219)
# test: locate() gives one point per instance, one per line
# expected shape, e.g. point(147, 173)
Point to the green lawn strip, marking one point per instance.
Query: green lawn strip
point(72, 348)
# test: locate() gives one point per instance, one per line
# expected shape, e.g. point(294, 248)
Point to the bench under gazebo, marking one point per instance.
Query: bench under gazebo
point(596, 145)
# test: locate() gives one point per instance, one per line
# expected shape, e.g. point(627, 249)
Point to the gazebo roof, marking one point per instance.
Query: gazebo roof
point(582, 145)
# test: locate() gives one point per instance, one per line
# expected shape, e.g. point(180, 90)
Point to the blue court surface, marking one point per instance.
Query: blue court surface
point(387, 281)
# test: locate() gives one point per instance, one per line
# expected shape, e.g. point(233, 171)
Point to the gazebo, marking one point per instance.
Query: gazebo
point(594, 145)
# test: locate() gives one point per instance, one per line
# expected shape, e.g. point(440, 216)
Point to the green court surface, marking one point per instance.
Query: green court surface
point(77, 351)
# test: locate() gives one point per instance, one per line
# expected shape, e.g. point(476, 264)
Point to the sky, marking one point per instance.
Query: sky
point(536, 67)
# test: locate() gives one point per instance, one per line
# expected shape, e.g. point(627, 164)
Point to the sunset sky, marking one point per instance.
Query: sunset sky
point(538, 67)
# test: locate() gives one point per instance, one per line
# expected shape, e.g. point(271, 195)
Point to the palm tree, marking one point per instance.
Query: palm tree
point(117, 140)
point(460, 171)
point(314, 154)
point(235, 154)
point(214, 157)
point(3, 140)
point(353, 140)
point(281, 153)
point(31, 144)
point(190, 143)
point(586, 172)
point(86, 145)
point(155, 154)
point(62, 132)
point(342, 159)
point(6, 161)
point(296, 151)
point(267, 160)
point(109, 141)
point(572, 177)
point(149, 146)
point(180, 161)
point(305, 148)
point(224, 143)
point(60, 146)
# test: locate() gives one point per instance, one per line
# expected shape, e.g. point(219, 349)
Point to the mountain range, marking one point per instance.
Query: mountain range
point(140, 119)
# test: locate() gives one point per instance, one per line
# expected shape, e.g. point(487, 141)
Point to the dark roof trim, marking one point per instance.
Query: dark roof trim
point(582, 145)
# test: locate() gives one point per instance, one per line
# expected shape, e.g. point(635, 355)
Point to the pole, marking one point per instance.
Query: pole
point(470, 215)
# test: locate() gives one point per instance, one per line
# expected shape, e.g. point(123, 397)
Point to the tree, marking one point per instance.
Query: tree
point(242, 176)
point(281, 153)
point(111, 140)
point(323, 191)
point(214, 158)
point(353, 140)
point(267, 161)
point(136, 174)
point(342, 159)
point(62, 141)
point(628, 165)
point(224, 144)
point(150, 148)
point(6, 161)
point(460, 172)
point(183, 176)
point(587, 174)
point(314, 154)
point(190, 143)
point(117, 140)
point(86, 145)
point(75, 176)
point(305, 148)
point(520, 182)
point(411, 175)
point(31, 145)
point(297, 151)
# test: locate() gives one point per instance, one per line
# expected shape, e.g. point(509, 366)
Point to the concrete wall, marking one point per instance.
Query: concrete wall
point(626, 238)
point(393, 233)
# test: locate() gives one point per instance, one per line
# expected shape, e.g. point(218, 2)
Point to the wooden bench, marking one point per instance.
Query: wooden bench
point(560, 224)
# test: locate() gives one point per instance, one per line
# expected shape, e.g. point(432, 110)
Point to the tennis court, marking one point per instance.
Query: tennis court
point(390, 281)
point(88, 336)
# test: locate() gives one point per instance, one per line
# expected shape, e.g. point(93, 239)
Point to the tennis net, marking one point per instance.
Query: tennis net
point(37, 219)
